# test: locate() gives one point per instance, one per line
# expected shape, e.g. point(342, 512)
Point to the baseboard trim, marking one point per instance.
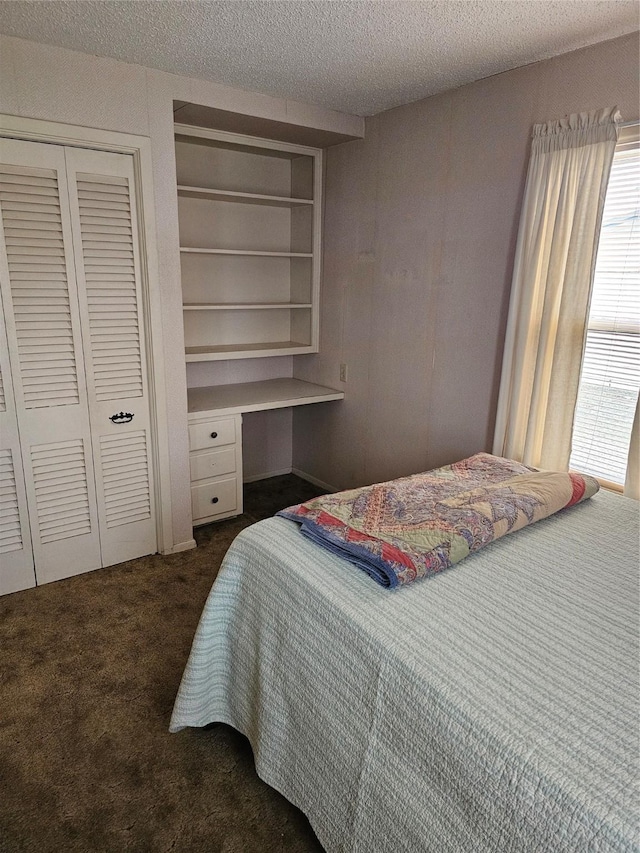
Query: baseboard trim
point(316, 482)
point(302, 474)
point(255, 477)
point(181, 546)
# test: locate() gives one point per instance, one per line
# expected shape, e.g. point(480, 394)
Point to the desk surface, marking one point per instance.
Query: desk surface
point(258, 396)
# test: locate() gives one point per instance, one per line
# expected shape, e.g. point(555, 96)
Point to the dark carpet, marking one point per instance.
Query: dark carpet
point(89, 669)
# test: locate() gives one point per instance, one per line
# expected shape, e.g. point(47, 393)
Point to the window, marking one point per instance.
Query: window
point(610, 377)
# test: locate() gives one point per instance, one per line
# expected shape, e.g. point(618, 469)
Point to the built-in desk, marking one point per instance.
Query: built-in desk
point(215, 437)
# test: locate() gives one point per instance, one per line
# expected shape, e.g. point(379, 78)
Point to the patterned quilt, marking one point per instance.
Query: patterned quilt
point(419, 525)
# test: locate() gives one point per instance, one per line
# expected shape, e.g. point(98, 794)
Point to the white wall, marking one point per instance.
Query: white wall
point(420, 225)
point(53, 84)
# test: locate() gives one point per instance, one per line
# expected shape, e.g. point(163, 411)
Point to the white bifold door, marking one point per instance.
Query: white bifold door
point(76, 472)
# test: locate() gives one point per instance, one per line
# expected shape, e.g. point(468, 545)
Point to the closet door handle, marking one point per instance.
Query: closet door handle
point(214, 500)
point(121, 418)
point(214, 435)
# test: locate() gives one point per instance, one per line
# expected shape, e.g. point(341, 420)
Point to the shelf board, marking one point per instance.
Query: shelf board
point(198, 251)
point(241, 198)
point(242, 306)
point(242, 350)
point(258, 396)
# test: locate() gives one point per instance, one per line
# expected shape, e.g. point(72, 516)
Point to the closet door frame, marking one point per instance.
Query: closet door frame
point(139, 147)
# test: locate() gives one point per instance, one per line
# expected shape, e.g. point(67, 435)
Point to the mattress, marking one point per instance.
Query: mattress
point(492, 707)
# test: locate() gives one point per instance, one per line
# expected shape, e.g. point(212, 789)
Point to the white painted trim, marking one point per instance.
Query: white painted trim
point(314, 480)
point(181, 546)
point(316, 271)
point(36, 130)
point(243, 139)
point(57, 133)
point(255, 477)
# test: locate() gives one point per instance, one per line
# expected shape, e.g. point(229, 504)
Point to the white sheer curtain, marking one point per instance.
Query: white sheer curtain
point(553, 270)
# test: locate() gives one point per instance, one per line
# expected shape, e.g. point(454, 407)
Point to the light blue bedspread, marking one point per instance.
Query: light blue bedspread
point(490, 709)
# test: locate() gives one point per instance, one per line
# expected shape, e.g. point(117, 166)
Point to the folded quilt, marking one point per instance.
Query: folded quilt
point(419, 525)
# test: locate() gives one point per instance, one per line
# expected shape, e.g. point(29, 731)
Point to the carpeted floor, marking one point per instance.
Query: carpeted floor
point(89, 668)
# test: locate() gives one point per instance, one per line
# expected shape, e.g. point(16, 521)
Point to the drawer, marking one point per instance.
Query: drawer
point(214, 464)
point(212, 433)
point(214, 498)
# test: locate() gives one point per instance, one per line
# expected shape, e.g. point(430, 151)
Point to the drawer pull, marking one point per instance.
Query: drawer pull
point(214, 435)
point(214, 500)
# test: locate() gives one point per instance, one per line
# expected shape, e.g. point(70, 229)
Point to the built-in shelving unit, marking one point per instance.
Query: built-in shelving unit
point(250, 220)
point(249, 213)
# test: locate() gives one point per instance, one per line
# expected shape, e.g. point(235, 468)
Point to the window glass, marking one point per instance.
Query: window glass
point(610, 377)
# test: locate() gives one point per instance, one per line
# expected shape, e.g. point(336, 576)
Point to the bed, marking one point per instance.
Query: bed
point(491, 708)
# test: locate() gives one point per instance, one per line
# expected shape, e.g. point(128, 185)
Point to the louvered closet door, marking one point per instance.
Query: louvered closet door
point(42, 319)
point(16, 555)
point(102, 193)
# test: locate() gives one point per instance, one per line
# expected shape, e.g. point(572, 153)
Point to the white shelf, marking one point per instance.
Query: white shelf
point(200, 251)
point(258, 396)
point(243, 306)
point(241, 197)
point(245, 350)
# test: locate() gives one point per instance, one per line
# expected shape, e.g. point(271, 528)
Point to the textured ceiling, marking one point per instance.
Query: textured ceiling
point(357, 56)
